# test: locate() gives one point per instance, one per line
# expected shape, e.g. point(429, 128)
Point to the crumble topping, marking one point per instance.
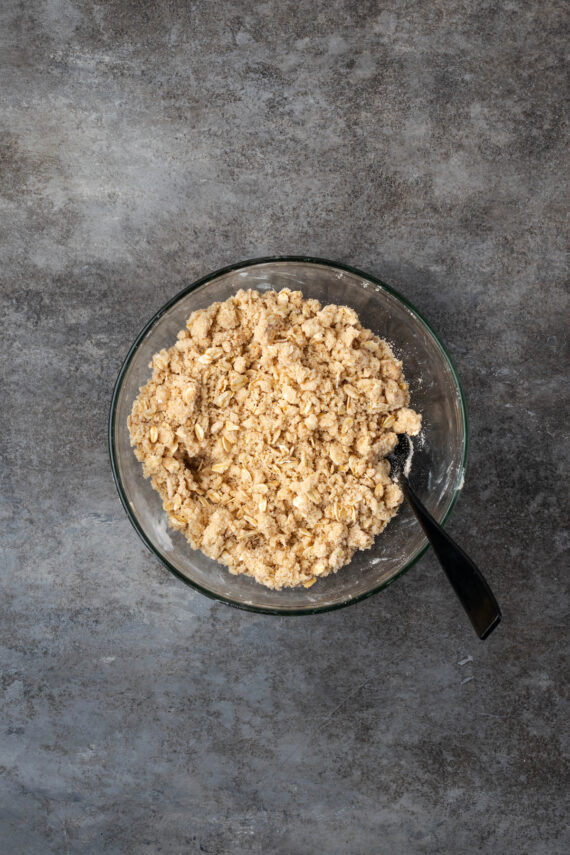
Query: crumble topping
point(265, 429)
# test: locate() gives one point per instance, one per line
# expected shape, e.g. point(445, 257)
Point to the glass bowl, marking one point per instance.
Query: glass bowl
point(440, 452)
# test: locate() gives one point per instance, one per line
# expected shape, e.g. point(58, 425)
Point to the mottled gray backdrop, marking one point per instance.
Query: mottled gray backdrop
point(143, 145)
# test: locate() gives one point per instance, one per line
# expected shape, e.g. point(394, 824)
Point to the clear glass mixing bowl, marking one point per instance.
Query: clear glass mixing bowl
point(439, 459)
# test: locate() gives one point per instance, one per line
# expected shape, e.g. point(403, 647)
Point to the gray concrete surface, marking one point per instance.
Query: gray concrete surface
point(143, 145)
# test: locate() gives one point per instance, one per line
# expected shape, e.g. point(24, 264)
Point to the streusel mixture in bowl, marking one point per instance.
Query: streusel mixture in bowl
point(178, 515)
point(265, 428)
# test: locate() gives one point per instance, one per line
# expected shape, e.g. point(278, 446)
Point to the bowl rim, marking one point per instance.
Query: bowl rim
point(251, 262)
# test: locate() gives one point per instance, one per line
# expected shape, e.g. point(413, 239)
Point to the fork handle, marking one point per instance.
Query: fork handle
point(466, 579)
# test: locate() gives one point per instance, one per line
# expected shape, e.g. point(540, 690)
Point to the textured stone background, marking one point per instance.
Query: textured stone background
point(143, 145)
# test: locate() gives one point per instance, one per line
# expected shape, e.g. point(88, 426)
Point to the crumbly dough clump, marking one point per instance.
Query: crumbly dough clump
point(265, 430)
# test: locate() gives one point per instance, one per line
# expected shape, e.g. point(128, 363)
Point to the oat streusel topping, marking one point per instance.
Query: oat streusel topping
point(265, 430)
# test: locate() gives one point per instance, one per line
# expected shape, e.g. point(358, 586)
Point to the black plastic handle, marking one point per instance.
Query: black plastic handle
point(466, 579)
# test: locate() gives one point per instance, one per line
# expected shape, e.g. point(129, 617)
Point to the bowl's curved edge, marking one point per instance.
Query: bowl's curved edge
point(117, 388)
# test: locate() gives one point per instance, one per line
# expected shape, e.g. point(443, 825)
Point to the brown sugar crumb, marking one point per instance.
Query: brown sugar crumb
point(265, 430)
